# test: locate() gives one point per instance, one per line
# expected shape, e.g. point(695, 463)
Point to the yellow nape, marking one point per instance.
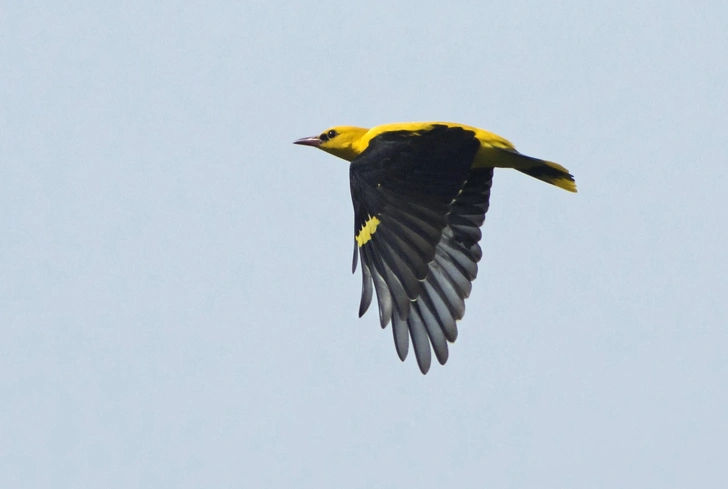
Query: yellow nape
point(367, 230)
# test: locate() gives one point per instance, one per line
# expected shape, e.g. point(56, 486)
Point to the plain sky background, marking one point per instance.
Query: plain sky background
point(176, 303)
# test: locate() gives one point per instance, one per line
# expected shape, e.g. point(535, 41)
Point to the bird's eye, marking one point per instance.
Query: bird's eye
point(323, 137)
point(332, 134)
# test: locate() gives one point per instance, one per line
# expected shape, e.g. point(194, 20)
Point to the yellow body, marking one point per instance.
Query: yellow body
point(494, 152)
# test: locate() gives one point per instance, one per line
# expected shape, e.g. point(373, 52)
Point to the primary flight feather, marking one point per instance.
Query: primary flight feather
point(420, 192)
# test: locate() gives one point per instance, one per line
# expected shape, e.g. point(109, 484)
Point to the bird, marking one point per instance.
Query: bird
point(420, 192)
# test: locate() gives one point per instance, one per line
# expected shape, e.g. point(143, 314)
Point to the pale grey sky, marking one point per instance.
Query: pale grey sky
point(176, 303)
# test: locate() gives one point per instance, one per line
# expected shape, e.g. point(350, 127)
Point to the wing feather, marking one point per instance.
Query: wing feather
point(366, 289)
point(423, 307)
point(401, 336)
point(420, 341)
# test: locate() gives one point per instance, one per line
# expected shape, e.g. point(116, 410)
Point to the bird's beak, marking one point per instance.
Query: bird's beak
point(314, 141)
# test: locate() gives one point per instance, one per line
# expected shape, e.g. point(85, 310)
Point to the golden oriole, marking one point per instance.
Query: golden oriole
point(420, 192)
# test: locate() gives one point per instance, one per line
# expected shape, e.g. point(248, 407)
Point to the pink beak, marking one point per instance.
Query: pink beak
point(314, 141)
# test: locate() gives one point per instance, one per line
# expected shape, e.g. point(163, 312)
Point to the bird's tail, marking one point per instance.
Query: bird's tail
point(552, 173)
point(546, 171)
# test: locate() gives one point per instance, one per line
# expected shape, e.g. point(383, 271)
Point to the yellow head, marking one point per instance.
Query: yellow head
point(343, 141)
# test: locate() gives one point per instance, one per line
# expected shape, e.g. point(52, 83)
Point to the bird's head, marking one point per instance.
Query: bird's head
point(342, 141)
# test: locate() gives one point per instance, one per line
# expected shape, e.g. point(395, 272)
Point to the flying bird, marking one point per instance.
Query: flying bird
point(420, 192)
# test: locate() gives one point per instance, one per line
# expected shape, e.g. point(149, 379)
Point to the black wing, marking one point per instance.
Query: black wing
point(405, 188)
point(433, 316)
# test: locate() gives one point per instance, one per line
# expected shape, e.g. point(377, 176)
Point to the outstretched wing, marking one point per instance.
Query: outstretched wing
point(432, 318)
point(404, 187)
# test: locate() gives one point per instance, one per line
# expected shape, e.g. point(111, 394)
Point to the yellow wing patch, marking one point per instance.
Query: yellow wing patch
point(367, 230)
